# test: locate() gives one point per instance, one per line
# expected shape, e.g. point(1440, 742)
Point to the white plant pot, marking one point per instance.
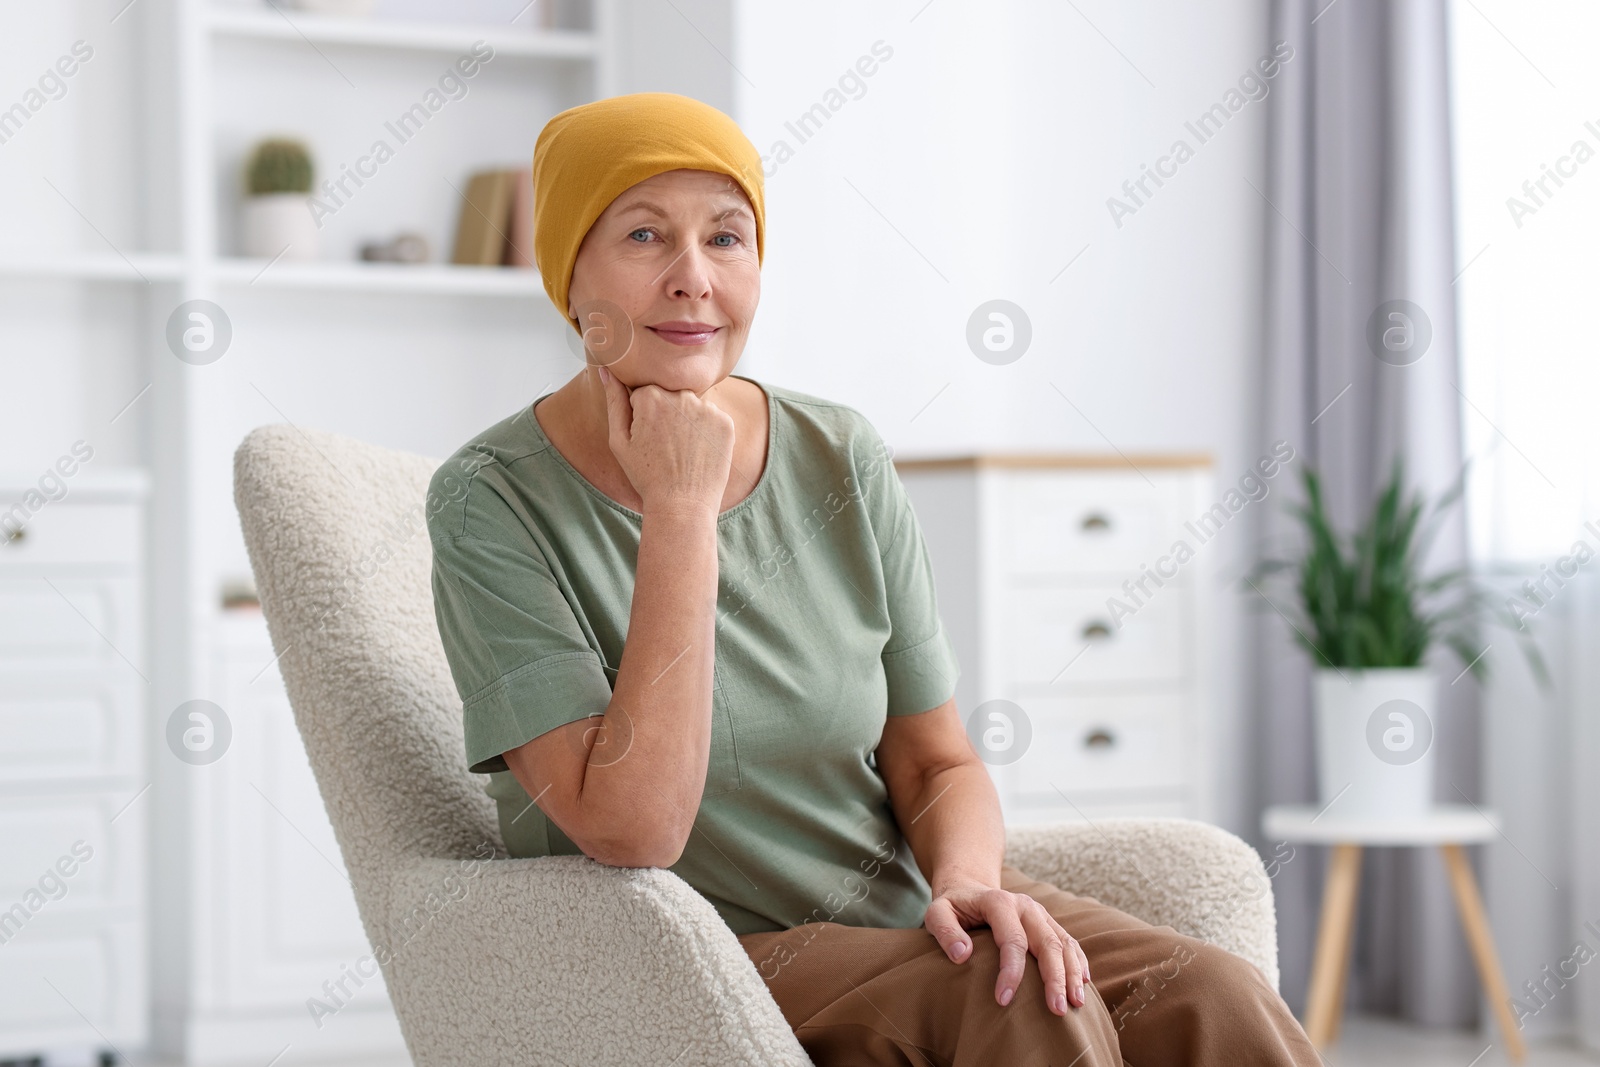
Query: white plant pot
point(276, 221)
point(1376, 733)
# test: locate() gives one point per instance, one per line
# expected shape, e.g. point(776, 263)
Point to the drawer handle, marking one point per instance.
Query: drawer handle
point(1099, 738)
point(1096, 631)
point(1094, 522)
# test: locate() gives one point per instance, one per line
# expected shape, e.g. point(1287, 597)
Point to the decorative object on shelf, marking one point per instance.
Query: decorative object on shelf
point(277, 220)
point(1369, 618)
point(402, 248)
point(481, 235)
point(336, 8)
point(239, 594)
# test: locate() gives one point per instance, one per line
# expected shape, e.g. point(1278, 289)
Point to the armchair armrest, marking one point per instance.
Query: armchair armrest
point(562, 960)
point(1197, 878)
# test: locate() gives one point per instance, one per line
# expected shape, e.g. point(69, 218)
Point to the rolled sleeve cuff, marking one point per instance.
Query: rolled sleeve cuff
point(529, 701)
point(923, 676)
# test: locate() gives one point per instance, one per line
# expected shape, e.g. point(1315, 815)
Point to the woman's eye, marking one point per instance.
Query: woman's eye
point(635, 233)
point(729, 236)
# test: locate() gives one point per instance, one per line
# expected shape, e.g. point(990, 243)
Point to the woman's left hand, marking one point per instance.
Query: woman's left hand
point(1020, 925)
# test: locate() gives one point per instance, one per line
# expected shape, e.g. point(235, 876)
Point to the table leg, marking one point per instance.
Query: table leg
point(1333, 944)
point(1341, 979)
point(1481, 939)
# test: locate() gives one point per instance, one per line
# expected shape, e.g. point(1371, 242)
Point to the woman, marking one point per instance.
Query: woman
point(692, 621)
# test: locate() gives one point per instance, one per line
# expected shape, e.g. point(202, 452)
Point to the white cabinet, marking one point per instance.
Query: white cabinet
point(73, 766)
point(1079, 623)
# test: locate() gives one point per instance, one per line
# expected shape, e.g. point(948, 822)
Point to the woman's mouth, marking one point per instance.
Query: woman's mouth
point(684, 333)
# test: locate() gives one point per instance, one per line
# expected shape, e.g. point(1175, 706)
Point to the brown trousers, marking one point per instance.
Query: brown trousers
point(863, 997)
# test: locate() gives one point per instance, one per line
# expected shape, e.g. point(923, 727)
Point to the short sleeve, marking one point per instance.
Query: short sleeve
point(918, 659)
point(520, 660)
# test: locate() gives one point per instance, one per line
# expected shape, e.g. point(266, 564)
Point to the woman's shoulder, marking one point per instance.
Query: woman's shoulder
point(840, 446)
point(494, 450)
point(837, 421)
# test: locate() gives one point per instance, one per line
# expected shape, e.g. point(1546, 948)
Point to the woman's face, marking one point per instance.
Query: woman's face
point(677, 254)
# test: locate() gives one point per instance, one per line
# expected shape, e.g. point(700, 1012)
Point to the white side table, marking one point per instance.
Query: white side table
point(1448, 826)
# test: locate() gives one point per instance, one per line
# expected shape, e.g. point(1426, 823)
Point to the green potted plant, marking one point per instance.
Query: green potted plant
point(1368, 618)
point(277, 217)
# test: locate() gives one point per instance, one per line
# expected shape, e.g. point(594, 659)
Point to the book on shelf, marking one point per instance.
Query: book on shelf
point(519, 235)
point(496, 226)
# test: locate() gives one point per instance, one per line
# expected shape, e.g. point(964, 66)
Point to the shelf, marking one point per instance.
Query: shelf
point(440, 278)
point(139, 267)
point(453, 38)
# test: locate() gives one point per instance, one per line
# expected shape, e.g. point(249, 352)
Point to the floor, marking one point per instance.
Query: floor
point(1370, 1042)
point(1363, 1042)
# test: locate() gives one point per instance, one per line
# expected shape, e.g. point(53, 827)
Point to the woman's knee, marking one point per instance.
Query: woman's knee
point(1020, 1024)
point(1184, 969)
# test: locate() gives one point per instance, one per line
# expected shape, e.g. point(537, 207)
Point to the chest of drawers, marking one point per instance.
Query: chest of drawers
point(1080, 625)
point(74, 805)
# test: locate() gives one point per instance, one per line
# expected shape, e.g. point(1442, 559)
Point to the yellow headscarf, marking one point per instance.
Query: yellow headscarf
point(588, 155)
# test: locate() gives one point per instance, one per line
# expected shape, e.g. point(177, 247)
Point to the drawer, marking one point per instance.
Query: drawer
point(64, 622)
point(1086, 522)
point(64, 856)
point(69, 725)
point(66, 532)
point(1046, 627)
point(1087, 745)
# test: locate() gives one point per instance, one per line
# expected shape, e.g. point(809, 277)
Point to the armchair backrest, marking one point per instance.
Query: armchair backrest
point(337, 535)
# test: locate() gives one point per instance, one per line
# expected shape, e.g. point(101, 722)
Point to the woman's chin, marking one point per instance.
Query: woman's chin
point(673, 371)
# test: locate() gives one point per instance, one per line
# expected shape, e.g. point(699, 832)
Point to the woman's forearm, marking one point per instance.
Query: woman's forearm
point(648, 765)
point(954, 826)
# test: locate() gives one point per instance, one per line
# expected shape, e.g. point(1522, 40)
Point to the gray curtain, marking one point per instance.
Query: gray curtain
point(1359, 213)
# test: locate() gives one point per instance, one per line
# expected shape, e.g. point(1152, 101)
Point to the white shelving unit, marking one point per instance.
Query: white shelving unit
point(72, 771)
point(240, 990)
point(244, 916)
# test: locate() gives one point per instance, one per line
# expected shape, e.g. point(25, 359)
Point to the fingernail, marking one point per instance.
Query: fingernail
point(1005, 997)
point(959, 949)
point(605, 375)
point(1061, 1003)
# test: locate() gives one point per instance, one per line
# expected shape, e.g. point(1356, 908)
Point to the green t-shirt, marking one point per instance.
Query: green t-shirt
point(826, 622)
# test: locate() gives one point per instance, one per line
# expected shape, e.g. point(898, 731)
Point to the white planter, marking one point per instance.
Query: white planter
point(276, 221)
point(1376, 735)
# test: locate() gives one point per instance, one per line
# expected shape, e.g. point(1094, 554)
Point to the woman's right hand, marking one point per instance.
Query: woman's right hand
point(675, 447)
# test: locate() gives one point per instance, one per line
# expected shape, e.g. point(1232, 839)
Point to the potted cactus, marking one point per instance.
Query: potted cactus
point(1368, 618)
point(277, 216)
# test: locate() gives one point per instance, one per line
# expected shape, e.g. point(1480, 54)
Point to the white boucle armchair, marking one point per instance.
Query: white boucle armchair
point(560, 960)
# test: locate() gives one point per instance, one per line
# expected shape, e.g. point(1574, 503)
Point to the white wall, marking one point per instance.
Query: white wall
point(976, 164)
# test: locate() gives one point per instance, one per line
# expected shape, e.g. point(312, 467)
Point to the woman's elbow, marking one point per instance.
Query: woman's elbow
point(653, 852)
point(636, 842)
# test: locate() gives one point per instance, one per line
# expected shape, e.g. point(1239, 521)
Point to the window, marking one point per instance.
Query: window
point(1526, 117)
